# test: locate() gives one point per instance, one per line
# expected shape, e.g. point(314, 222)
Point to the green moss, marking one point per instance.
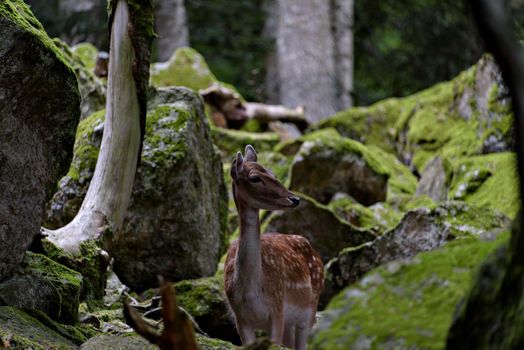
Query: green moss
point(231, 141)
point(413, 300)
point(207, 343)
point(400, 179)
point(86, 53)
point(441, 120)
point(373, 125)
point(85, 152)
point(41, 265)
point(379, 217)
point(21, 331)
point(185, 68)
point(199, 296)
point(160, 147)
point(487, 181)
point(20, 14)
point(89, 263)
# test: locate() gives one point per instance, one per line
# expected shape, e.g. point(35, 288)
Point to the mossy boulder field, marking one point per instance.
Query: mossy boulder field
point(404, 200)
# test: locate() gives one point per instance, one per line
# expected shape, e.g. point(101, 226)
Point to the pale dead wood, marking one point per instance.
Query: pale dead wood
point(229, 110)
point(110, 189)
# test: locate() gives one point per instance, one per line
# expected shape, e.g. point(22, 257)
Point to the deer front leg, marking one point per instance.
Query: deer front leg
point(277, 328)
point(246, 333)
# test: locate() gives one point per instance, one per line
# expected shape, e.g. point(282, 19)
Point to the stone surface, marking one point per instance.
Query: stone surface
point(44, 285)
point(434, 181)
point(420, 230)
point(324, 230)
point(468, 115)
point(186, 67)
point(81, 58)
point(135, 342)
point(18, 330)
point(489, 181)
point(404, 304)
point(491, 314)
point(327, 165)
point(176, 219)
point(204, 299)
point(39, 111)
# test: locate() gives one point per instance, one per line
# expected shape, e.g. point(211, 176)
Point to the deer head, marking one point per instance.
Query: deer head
point(256, 186)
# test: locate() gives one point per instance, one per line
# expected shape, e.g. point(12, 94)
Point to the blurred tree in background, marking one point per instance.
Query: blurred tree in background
point(400, 47)
point(229, 34)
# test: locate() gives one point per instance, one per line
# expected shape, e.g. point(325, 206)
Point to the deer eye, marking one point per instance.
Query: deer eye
point(255, 178)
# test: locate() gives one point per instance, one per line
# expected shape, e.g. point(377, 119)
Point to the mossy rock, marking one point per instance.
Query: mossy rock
point(91, 263)
point(44, 285)
point(466, 116)
point(87, 54)
point(327, 165)
point(205, 300)
point(18, 330)
point(178, 206)
point(492, 313)
point(320, 225)
point(40, 112)
point(132, 341)
point(405, 304)
point(489, 181)
point(420, 230)
point(185, 68)
point(231, 141)
point(379, 217)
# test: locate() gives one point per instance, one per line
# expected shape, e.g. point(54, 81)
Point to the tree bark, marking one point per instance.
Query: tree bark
point(342, 24)
point(312, 62)
point(304, 60)
point(171, 27)
point(108, 195)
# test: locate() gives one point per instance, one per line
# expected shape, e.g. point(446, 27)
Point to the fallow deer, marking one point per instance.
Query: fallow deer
point(272, 281)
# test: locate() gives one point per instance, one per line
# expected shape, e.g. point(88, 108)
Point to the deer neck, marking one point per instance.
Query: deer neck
point(248, 260)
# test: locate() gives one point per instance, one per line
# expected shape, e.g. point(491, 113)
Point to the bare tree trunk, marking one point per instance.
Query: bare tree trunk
point(342, 24)
point(108, 195)
point(304, 56)
point(171, 27)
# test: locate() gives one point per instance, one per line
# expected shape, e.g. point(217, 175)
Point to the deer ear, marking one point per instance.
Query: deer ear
point(251, 154)
point(236, 166)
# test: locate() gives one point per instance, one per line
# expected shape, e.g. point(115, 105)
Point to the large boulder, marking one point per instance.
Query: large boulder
point(326, 231)
point(420, 230)
point(328, 163)
point(405, 304)
point(468, 115)
point(39, 111)
point(176, 220)
point(44, 285)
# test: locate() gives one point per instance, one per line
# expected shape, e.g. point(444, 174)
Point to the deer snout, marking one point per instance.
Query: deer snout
point(294, 200)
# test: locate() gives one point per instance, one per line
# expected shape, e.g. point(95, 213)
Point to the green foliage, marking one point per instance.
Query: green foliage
point(229, 35)
point(401, 48)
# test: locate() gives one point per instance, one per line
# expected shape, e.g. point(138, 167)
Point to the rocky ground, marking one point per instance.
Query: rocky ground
point(403, 200)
